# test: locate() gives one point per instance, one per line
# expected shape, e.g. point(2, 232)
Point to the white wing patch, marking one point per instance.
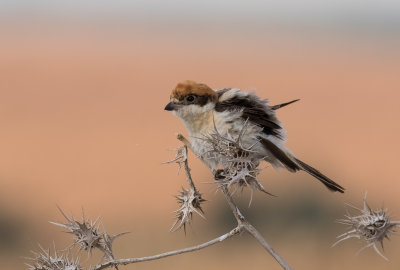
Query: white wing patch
point(231, 93)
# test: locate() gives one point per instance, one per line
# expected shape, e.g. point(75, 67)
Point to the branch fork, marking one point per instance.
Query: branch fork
point(242, 223)
point(88, 236)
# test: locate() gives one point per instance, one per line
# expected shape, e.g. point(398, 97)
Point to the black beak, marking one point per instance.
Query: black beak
point(170, 106)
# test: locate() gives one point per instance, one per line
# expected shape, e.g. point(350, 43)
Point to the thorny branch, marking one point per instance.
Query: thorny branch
point(181, 157)
point(190, 200)
point(372, 226)
point(88, 236)
point(243, 224)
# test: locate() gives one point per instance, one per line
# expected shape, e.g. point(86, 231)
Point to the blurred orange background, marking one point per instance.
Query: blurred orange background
point(82, 91)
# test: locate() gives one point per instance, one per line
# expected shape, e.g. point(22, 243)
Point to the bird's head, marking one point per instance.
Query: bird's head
point(190, 99)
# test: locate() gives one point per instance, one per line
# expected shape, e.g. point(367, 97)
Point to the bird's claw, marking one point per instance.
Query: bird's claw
point(219, 174)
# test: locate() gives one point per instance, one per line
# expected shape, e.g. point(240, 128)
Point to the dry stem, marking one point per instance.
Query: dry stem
point(113, 263)
point(243, 225)
point(241, 220)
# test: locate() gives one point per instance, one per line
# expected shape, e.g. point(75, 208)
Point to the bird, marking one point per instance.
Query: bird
point(204, 111)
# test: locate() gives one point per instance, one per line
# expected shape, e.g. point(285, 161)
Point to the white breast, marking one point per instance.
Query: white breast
point(227, 124)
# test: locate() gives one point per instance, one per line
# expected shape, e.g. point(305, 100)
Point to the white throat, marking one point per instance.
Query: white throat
point(197, 119)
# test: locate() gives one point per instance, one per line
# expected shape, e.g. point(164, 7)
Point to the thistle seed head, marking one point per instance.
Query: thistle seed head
point(43, 260)
point(239, 163)
point(372, 226)
point(86, 233)
point(88, 236)
point(190, 201)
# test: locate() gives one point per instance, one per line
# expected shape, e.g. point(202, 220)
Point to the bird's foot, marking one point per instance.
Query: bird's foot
point(219, 174)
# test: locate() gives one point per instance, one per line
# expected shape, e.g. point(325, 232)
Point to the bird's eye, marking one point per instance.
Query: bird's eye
point(190, 98)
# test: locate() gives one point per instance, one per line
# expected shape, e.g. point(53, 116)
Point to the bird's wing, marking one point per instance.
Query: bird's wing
point(259, 112)
point(253, 109)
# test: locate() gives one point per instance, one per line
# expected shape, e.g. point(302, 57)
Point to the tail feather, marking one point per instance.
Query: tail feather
point(280, 155)
point(329, 183)
point(293, 164)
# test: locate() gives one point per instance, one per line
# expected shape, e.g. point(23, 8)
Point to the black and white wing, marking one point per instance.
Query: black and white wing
point(258, 112)
point(253, 109)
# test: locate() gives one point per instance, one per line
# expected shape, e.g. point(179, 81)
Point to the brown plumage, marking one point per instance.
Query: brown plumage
point(191, 87)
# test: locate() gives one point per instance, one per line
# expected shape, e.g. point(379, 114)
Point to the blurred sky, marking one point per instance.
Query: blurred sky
point(83, 85)
point(359, 14)
point(208, 8)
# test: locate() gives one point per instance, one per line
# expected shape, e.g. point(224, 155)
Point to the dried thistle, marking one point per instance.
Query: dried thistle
point(43, 260)
point(180, 157)
point(371, 226)
point(88, 236)
point(86, 233)
point(239, 162)
point(190, 201)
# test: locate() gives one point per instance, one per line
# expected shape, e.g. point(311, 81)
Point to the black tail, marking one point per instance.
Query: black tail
point(293, 164)
point(324, 180)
